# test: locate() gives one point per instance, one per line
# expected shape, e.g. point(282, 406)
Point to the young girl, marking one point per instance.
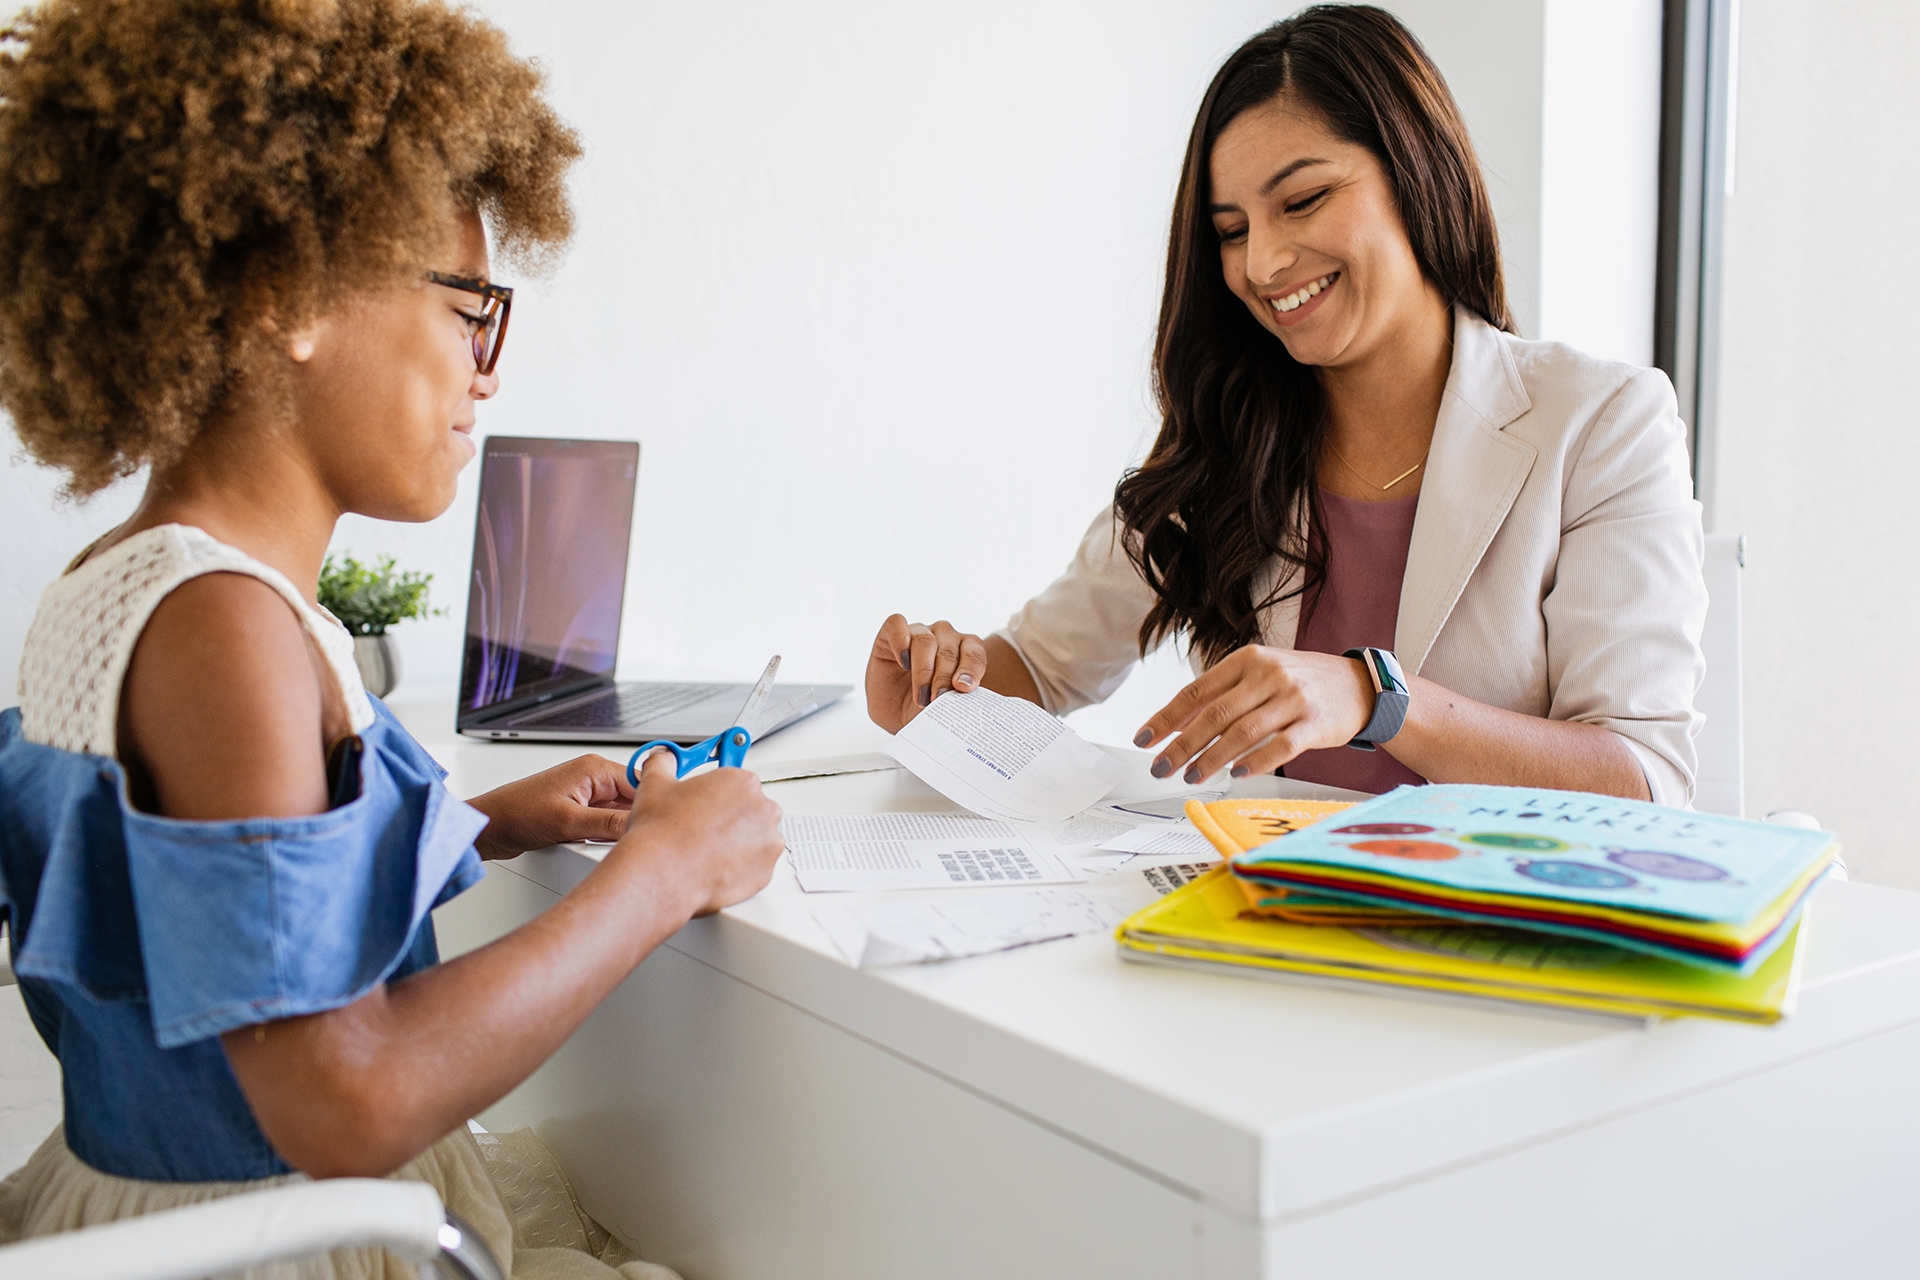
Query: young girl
point(1377, 517)
point(245, 246)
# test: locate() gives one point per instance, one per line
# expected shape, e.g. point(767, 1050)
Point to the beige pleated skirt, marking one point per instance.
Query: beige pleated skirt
point(507, 1187)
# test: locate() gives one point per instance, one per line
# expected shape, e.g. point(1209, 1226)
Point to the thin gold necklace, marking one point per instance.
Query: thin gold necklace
point(1370, 484)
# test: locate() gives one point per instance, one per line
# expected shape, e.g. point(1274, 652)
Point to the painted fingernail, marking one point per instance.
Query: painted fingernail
point(1161, 767)
point(926, 694)
point(963, 681)
point(906, 659)
point(1192, 774)
point(1143, 737)
point(1239, 771)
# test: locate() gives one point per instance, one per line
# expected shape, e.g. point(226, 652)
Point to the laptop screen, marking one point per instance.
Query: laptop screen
point(549, 567)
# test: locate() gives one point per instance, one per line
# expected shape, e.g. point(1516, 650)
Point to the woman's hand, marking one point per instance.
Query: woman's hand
point(715, 835)
point(912, 664)
point(1257, 710)
point(583, 799)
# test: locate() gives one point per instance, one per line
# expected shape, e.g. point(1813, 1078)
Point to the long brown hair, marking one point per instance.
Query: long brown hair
point(1229, 485)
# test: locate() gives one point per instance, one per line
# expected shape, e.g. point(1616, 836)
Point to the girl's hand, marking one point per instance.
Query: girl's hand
point(715, 835)
point(1257, 710)
point(583, 799)
point(912, 664)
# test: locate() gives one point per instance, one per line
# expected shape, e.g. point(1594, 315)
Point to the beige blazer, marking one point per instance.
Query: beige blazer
point(1554, 568)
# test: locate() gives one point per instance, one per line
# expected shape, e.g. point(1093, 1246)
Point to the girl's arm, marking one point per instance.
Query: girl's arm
point(221, 718)
point(360, 1090)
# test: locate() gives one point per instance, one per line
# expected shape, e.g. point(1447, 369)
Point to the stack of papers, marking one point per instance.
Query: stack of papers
point(1037, 817)
point(1032, 788)
point(915, 930)
point(849, 852)
point(1693, 887)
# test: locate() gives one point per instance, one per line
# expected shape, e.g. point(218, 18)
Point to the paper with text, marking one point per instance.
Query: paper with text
point(1183, 839)
point(1004, 758)
point(848, 852)
point(913, 930)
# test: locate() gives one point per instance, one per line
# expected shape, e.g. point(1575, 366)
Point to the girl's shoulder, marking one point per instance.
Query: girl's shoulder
point(83, 636)
point(218, 924)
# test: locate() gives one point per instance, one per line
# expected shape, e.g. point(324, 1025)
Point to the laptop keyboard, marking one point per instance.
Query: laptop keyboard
point(629, 705)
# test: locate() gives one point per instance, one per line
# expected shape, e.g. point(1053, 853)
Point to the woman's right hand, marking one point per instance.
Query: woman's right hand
point(713, 837)
point(912, 664)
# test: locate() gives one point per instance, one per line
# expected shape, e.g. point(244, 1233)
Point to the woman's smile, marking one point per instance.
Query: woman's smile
point(1297, 304)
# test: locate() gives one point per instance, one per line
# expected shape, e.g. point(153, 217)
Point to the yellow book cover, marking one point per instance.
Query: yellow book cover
point(1205, 923)
point(1235, 826)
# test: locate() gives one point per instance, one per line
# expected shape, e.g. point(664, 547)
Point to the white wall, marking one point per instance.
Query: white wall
point(1492, 54)
point(1600, 175)
point(874, 284)
point(1819, 439)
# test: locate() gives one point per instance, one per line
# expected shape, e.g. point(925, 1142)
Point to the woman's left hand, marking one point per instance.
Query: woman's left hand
point(584, 799)
point(1258, 709)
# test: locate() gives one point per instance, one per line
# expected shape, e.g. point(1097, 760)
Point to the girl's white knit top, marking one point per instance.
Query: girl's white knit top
point(83, 635)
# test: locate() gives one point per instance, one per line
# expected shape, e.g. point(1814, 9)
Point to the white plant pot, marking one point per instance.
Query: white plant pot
point(378, 658)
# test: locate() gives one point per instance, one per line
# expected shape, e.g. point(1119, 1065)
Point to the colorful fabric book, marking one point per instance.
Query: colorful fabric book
point(1205, 925)
point(1694, 887)
point(1235, 826)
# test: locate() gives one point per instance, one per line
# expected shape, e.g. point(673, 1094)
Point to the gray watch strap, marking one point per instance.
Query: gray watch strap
point(1390, 697)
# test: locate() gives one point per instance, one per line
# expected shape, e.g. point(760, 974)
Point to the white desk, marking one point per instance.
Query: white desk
point(746, 1106)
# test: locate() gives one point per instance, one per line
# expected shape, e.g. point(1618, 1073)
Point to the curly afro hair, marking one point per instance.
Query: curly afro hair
point(179, 177)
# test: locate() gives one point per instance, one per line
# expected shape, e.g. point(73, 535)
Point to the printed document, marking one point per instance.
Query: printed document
point(908, 931)
point(1182, 839)
point(1004, 758)
point(853, 851)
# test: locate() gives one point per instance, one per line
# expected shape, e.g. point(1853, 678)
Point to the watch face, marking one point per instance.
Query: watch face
point(1386, 672)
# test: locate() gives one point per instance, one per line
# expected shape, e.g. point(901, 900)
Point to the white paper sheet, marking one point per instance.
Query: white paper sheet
point(821, 767)
point(1182, 839)
point(916, 929)
point(1004, 758)
point(1091, 829)
point(840, 853)
point(912, 930)
point(1084, 831)
point(1163, 809)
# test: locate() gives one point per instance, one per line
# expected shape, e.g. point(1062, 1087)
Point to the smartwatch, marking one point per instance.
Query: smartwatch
point(1390, 697)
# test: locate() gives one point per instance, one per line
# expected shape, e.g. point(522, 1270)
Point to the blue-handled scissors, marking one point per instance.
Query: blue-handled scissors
point(756, 719)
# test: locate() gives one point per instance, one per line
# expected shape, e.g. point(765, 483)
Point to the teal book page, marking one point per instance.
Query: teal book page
point(1566, 846)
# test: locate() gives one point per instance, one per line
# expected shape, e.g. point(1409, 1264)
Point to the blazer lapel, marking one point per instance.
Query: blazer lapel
point(1474, 472)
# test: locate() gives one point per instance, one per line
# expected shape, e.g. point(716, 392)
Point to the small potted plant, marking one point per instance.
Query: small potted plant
point(368, 600)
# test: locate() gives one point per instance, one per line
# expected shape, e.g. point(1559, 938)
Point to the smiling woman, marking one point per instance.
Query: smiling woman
point(1375, 517)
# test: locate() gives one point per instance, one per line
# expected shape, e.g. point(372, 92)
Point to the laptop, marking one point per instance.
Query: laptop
point(544, 600)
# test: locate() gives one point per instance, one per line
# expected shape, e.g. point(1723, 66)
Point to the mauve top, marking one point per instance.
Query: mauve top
point(1358, 606)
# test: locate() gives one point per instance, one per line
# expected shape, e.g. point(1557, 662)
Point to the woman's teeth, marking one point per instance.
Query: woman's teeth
point(1305, 292)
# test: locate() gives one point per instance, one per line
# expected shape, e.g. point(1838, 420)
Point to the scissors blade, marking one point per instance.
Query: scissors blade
point(769, 718)
point(756, 701)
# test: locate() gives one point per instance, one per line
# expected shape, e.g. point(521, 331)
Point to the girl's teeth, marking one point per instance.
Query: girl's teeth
point(1305, 292)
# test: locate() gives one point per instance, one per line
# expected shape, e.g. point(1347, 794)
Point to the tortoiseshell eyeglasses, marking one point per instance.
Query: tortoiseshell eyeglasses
point(495, 306)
